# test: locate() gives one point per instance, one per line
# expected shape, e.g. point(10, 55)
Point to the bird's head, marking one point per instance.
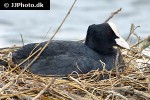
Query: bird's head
point(102, 38)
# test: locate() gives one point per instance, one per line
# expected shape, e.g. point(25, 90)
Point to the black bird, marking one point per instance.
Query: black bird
point(64, 57)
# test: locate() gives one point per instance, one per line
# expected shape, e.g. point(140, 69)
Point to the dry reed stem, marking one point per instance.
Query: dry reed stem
point(142, 94)
point(131, 31)
point(112, 15)
point(91, 95)
point(42, 91)
point(22, 39)
point(23, 61)
point(117, 63)
point(117, 94)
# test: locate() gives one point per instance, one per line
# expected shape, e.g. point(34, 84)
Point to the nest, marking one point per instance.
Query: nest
point(133, 83)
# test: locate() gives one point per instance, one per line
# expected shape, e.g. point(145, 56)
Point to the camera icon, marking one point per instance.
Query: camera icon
point(6, 5)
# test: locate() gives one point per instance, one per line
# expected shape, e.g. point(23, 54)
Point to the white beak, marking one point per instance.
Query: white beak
point(120, 41)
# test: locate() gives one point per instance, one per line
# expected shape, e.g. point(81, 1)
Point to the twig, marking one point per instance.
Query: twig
point(112, 15)
point(22, 39)
point(47, 33)
point(117, 94)
point(138, 37)
point(117, 62)
point(22, 62)
point(19, 93)
point(146, 39)
point(91, 95)
point(40, 42)
point(142, 94)
point(58, 94)
point(7, 85)
point(42, 91)
point(11, 47)
point(113, 93)
point(108, 97)
point(131, 31)
point(132, 91)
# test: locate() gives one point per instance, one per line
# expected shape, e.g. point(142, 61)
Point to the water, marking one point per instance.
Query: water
point(33, 25)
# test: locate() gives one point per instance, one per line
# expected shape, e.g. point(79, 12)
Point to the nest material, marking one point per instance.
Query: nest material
point(132, 84)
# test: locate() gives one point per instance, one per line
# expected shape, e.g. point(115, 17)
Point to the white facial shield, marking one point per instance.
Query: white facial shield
point(120, 41)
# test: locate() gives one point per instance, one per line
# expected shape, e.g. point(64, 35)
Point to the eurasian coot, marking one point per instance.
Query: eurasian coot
point(64, 57)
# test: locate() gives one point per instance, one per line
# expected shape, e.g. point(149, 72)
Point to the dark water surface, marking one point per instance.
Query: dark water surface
point(33, 25)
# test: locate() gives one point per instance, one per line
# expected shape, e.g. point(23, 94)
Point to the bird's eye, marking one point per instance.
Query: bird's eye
point(109, 33)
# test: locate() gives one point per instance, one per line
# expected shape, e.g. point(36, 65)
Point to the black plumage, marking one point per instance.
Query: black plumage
point(64, 57)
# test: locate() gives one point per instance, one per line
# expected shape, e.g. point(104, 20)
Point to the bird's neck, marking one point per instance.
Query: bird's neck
point(101, 49)
point(105, 51)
